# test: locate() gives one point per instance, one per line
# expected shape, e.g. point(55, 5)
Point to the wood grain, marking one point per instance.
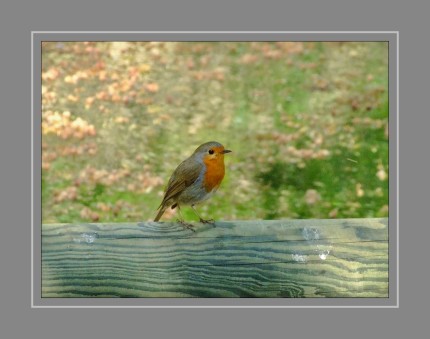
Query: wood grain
point(282, 258)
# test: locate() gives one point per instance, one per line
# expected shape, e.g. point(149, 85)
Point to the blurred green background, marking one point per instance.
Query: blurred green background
point(307, 122)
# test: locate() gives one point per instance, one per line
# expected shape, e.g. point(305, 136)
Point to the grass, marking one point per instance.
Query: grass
point(307, 123)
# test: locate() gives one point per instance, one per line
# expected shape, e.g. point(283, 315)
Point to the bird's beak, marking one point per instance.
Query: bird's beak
point(226, 151)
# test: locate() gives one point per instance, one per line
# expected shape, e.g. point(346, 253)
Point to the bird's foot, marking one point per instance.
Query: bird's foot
point(186, 225)
point(209, 221)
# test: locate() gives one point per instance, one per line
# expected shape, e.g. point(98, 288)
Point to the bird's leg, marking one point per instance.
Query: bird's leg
point(210, 221)
point(182, 221)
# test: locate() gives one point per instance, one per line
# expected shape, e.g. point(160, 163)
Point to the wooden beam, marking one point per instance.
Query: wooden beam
point(279, 258)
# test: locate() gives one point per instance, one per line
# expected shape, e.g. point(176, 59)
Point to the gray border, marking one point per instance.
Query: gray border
point(391, 302)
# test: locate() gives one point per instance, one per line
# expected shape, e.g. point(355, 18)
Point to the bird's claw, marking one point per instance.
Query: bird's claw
point(209, 221)
point(187, 225)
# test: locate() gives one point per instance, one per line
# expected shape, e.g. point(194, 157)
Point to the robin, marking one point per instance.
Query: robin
point(195, 180)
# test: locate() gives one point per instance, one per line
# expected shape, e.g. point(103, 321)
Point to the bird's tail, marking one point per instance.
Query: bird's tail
point(160, 212)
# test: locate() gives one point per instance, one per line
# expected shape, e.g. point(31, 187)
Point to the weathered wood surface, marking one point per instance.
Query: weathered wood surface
point(285, 258)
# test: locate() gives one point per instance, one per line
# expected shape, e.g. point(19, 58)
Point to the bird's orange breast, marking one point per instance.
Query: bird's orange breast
point(214, 173)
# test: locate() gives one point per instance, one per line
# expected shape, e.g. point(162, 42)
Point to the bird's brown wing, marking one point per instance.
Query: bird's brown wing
point(184, 175)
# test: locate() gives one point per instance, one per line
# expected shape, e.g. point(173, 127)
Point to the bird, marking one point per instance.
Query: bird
point(195, 180)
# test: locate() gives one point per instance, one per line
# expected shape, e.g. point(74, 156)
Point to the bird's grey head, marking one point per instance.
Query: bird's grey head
point(212, 148)
point(204, 148)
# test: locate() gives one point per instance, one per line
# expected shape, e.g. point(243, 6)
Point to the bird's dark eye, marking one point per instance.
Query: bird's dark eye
point(211, 151)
